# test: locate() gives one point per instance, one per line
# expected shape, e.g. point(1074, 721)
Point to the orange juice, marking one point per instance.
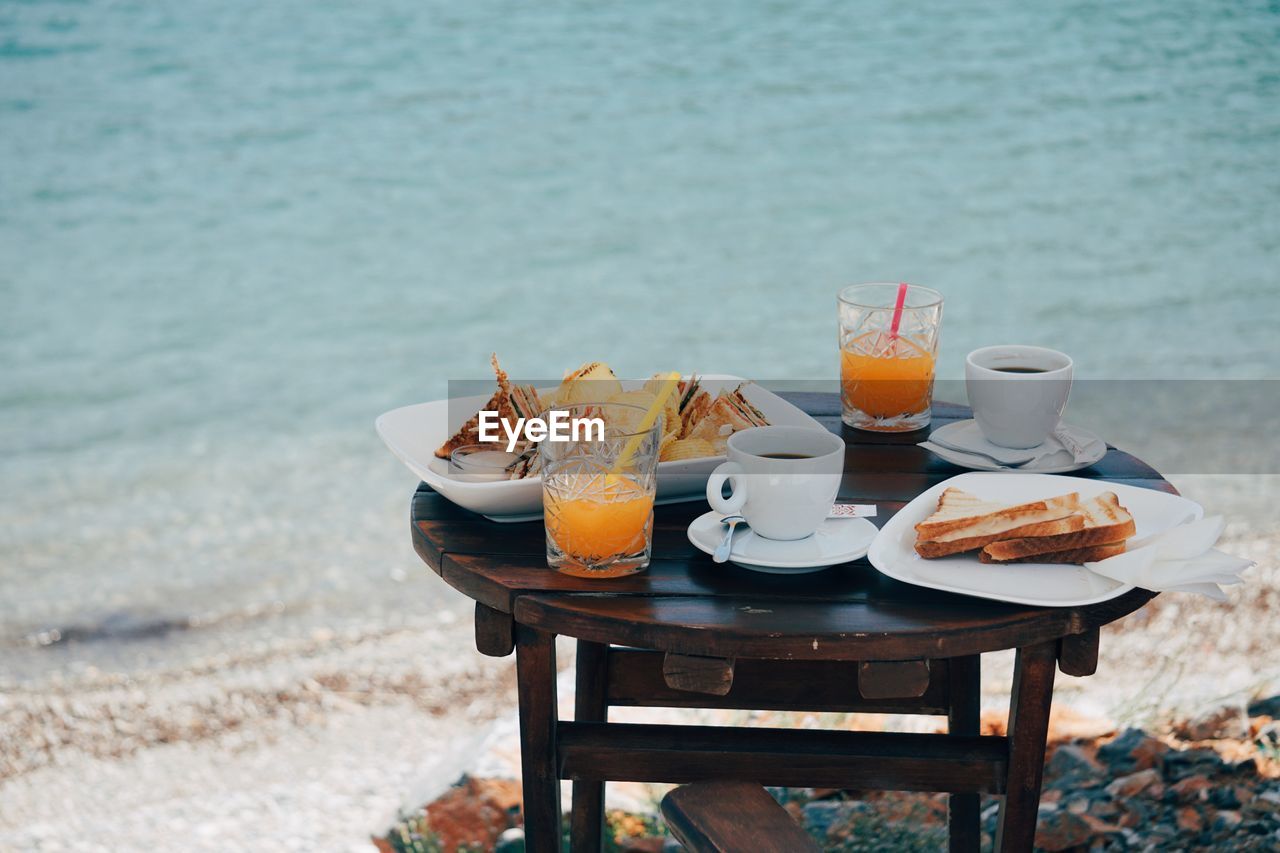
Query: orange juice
point(884, 379)
point(593, 518)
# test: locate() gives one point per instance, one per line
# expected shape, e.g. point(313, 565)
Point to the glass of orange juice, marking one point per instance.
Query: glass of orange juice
point(886, 373)
point(599, 510)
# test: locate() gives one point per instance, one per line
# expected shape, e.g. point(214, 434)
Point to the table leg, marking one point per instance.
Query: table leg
point(590, 705)
point(536, 686)
point(964, 676)
point(1028, 730)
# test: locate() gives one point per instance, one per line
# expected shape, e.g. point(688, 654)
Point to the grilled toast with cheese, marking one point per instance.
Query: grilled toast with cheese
point(964, 540)
point(1105, 522)
point(961, 515)
point(1078, 556)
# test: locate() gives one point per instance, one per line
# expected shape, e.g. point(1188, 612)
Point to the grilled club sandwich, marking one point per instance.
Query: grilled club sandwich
point(715, 420)
point(1061, 529)
point(696, 425)
point(510, 402)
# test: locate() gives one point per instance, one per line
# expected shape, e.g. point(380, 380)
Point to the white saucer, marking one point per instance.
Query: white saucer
point(1059, 462)
point(838, 540)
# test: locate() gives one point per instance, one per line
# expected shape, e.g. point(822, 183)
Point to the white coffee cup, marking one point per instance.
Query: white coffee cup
point(781, 498)
point(1017, 393)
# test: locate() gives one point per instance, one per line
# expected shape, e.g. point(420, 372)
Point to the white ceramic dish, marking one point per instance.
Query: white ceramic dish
point(1040, 584)
point(837, 540)
point(1055, 463)
point(413, 433)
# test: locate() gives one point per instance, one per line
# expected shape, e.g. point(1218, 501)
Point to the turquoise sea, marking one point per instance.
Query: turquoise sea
point(232, 233)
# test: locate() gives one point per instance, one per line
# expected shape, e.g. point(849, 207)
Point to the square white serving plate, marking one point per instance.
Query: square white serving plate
point(1040, 584)
point(414, 432)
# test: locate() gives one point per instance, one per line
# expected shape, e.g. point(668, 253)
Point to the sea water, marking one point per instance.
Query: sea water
point(232, 233)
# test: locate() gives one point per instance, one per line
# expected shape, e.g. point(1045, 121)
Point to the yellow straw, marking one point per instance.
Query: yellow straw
point(646, 423)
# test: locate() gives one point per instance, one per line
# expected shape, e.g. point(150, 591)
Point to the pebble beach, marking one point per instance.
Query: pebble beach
point(317, 743)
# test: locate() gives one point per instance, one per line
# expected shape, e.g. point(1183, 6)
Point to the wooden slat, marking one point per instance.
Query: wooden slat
point(1028, 729)
point(495, 632)
point(789, 757)
point(635, 678)
point(770, 627)
point(590, 705)
point(1078, 653)
point(536, 688)
point(904, 679)
point(729, 817)
point(697, 674)
point(498, 582)
point(965, 688)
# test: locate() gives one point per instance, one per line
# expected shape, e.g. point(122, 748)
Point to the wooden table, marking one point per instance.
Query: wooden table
point(688, 633)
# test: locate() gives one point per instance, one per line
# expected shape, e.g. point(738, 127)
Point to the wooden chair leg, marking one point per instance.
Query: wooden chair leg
point(536, 677)
point(964, 677)
point(590, 705)
point(1028, 730)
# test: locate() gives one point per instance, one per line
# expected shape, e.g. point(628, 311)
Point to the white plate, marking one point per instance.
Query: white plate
point(837, 541)
point(1055, 463)
point(1039, 584)
point(414, 432)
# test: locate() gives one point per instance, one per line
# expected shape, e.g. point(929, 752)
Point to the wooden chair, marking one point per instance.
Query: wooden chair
point(731, 817)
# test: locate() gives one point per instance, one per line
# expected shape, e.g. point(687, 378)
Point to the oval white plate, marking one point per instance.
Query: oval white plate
point(414, 432)
point(1041, 584)
point(1057, 463)
point(837, 541)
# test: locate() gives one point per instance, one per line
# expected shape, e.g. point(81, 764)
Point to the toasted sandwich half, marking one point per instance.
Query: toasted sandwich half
point(971, 540)
point(1078, 556)
point(510, 402)
point(746, 409)
point(686, 390)
point(961, 514)
point(1105, 522)
point(728, 413)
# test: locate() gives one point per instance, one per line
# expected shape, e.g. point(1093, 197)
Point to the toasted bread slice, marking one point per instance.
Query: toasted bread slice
point(1105, 521)
point(962, 515)
point(1079, 556)
point(931, 549)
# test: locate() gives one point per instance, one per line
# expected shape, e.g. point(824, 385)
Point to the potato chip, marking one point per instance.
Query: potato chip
point(687, 448)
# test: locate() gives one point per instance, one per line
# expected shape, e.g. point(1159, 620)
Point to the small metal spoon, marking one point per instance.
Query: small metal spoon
point(721, 553)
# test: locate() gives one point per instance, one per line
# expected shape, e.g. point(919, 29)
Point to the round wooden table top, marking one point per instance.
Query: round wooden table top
point(685, 603)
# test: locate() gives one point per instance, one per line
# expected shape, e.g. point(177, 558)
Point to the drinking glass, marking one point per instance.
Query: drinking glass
point(598, 505)
point(886, 380)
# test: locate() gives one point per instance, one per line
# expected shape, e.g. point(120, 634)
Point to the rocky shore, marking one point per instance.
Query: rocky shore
point(1211, 782)
point(314, 740)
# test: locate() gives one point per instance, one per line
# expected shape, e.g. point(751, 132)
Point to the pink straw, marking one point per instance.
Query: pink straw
point(897, 311)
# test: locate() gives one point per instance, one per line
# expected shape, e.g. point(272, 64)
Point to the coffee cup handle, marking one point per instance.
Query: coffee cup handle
point(730, 471)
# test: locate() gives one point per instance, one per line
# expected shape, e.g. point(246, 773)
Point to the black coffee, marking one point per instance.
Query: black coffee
point(786, 455)
point(1020, 369)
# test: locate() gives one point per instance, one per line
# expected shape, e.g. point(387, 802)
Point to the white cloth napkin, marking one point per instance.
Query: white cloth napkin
point(1181, 559)
point(967, 437)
